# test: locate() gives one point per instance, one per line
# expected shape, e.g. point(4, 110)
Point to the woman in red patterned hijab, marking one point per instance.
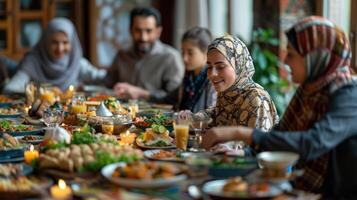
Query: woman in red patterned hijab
point(321, 118)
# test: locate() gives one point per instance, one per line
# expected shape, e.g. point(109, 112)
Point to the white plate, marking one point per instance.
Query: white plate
point(149, 154)
point(140, 144)
point(38, 139)
point(108, 170)
point(215, 188)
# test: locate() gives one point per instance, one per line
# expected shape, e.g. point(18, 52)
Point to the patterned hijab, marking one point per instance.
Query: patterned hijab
point(245, 102)
point(42, 69)
point(327, 56)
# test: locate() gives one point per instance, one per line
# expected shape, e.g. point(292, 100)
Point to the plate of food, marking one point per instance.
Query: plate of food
point(16, 129)
point(144, 174)
point(144, 122)
point(31, 139)
point(86, 153)
point(156, 137)
point(23, 187)
point(237, 188)
point(8, 112)
point(149, 113)
point(10, 148)
point(15, 170)
point(224, 166)
point(164, 155)
point(5, 101)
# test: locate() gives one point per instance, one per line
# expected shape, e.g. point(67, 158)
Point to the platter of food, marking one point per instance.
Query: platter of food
point(5, 101)
point(16, 129)
point(224, 166)
point(31, 139)
point(85, 154)
point(8, 112)
point(11, 150)
point(23, 187)
point(15, 170)
point(156, 137)
point(144, 122)
point(164, 155)
point(144, 174)
point(237, 188)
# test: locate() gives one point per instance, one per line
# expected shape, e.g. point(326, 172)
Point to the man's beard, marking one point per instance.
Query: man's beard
point(143, 49)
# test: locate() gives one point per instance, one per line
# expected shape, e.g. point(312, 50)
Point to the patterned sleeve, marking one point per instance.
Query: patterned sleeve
point(258, 111)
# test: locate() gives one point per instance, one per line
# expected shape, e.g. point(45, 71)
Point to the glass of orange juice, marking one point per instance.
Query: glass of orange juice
point(108, 126)
point(78, 105)
point(181, 128)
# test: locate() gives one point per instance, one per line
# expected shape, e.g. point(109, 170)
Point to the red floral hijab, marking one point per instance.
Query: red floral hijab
point(327, 56)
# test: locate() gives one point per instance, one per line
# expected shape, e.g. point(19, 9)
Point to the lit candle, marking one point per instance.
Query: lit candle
point(127, 138)
point(30, 155)
point(71, 88)
point(61, 191)
point(27, 110)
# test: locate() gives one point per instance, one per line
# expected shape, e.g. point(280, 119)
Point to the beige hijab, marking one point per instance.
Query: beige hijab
point(245, 102)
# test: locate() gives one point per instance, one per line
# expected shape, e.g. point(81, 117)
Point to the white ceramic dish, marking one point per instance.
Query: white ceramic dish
point(108, 170)
point(215, 189)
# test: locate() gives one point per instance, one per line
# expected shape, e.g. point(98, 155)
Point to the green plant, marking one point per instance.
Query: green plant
point(266, 67)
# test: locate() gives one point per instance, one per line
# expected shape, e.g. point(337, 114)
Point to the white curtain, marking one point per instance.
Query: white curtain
point(189, 13)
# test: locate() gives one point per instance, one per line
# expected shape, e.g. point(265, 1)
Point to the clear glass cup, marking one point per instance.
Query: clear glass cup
point(108, 126)
point(47, 93)
point(181, 128)
point(133, 107)
point(199, 123)
point(78, 104)
point(52, 117)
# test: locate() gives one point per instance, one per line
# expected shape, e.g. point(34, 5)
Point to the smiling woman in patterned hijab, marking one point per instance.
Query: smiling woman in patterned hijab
point(240, 100)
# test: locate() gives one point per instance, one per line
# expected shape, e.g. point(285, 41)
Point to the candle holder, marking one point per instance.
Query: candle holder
point(30, 155)
point(127, 138)
point(61, 191)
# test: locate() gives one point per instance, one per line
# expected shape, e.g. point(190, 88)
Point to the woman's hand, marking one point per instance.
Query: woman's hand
point(128, 91)
point(224, 134)
point(184, 115)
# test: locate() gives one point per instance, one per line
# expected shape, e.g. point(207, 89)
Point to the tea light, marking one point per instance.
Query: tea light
point(30, 155)
point(27, 110)
point(61, 191)
point(127, 138)
point(71, 88)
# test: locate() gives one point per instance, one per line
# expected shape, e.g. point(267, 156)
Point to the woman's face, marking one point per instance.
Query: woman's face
point(220, 72)
point(297, 65)
point(192, 56)
point(59, 45)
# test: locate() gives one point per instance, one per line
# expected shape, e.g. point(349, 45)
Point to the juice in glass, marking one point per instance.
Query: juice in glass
point(79, 108)
point(108, 127)
point(48, 96)
point(181, 136)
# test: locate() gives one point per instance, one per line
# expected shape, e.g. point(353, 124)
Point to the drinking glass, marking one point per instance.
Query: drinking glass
point(52, 117)
point(133, 107)
point(199, 124)
point(108, 126)
point(47, 93)
point(78, 105)
point(181, 128)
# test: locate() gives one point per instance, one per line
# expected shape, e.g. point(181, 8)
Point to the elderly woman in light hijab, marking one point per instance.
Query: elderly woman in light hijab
point(56, 59)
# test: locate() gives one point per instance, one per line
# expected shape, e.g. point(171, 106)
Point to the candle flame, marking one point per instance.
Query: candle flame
point(31, 147)
point(61, 184)
point(71, 88)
